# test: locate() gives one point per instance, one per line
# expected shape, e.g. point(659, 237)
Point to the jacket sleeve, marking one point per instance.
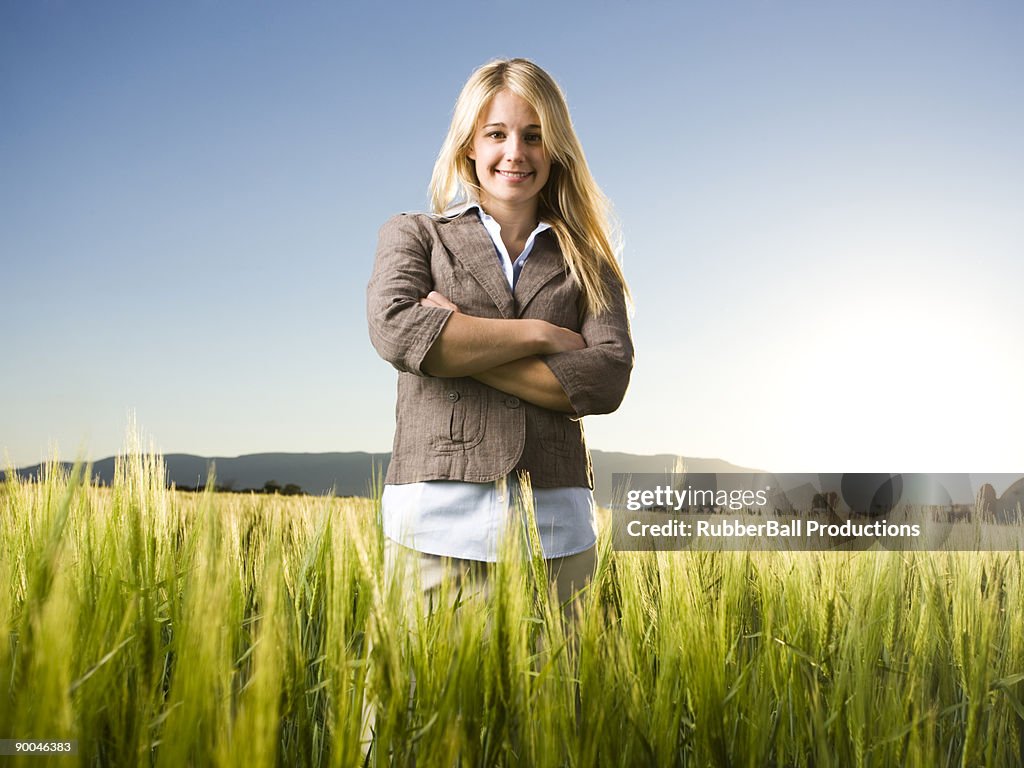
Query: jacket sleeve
point(401, 330)
point(595, 378)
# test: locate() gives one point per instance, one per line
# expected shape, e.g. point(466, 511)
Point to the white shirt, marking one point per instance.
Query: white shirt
point(509, 267)
point(468, 520)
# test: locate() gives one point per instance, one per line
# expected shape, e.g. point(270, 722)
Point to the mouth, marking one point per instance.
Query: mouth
point(513, 175)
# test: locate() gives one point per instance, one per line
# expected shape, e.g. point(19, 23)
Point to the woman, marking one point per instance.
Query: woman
point(505, 313)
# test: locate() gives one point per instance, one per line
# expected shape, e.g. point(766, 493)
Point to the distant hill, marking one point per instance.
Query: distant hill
point(346, 474)
point(350, 474)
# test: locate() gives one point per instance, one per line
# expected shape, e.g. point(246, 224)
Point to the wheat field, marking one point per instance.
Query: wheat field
point(164, 628)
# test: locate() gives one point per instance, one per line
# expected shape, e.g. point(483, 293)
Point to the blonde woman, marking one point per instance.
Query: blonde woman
point(504, 312)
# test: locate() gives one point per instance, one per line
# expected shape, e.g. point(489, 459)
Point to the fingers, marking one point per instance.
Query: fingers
point(435, 299)
point(442, 301)
point(575, 341)
point(567, 341)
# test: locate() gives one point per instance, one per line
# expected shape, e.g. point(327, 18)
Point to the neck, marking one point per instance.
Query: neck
point(515, 223)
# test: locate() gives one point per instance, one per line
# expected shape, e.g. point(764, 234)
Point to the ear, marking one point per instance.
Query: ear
point(471, 154)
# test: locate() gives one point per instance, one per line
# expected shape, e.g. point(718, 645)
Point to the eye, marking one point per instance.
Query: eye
point(533, 138)
point(495, 135)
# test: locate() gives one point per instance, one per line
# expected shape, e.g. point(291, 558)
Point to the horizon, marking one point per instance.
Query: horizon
point(1001, 482)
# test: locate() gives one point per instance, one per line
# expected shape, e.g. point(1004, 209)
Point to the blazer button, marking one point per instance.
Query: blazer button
point(511, 402)
point(452, 396)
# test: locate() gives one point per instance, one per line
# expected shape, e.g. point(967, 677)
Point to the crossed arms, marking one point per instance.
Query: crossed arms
point(501, 353)
point(420, 331)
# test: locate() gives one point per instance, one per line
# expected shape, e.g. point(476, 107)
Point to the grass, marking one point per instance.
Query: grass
point(166, 628)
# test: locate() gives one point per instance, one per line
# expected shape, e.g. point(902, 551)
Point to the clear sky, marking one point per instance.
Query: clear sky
point(822, 204)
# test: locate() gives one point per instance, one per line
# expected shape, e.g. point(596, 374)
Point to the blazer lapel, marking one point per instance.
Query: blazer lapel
point(468, 241)
point(542, 265)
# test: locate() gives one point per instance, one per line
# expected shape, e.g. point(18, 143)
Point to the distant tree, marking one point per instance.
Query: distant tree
point(291, 489)
point(271, 486)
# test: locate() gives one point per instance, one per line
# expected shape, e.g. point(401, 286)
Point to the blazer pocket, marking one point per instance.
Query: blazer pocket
point(560, 435)
point(462, 420)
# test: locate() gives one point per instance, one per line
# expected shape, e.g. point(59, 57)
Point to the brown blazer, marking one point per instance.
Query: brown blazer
point(459, 428)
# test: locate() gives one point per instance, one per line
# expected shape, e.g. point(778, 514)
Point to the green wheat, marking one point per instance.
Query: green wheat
point(165, 628)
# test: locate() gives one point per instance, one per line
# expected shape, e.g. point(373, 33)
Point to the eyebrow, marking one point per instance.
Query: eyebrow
point(532, 126)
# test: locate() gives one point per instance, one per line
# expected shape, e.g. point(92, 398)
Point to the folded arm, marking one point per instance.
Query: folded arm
point(495, 351)
point(595, 377)
point(468, 345)
point(587, 373)
point(528, 379)
point(401, 329)
point(584, 381)
point(419, 331)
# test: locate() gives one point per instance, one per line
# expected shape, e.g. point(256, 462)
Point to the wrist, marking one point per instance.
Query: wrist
point(543, 339)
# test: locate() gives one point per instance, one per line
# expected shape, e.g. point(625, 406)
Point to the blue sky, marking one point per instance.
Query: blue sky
point(821, 205)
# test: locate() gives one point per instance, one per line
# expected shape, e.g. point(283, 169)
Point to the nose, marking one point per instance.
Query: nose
point(514, 147)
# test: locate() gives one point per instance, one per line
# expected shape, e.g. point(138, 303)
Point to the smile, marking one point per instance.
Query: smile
point(513, 174)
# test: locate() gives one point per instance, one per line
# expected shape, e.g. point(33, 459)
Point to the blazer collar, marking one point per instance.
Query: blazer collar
point(543, 265)
point(466, 238)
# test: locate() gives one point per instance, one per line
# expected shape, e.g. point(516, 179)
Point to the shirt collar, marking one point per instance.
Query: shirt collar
point(459, 210)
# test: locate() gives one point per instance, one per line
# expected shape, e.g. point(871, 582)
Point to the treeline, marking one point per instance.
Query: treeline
point(271, 487)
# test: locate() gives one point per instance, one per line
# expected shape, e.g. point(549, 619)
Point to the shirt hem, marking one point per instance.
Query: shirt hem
point(424, 551)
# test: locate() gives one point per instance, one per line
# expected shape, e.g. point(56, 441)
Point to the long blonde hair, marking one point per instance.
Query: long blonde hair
point(571, 202)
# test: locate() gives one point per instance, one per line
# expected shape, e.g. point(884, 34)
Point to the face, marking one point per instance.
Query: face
point(510, 160)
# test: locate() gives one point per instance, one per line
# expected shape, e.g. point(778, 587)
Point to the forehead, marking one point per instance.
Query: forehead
point(508, 108)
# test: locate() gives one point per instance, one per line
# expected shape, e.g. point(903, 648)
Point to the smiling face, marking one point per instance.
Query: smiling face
point(511, 163)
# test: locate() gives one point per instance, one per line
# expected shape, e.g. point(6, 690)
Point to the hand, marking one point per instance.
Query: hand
point(558, 339)
point(552, 338)
point(435, 299)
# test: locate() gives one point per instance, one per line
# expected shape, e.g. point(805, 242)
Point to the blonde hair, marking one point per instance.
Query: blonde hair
point(571, 202)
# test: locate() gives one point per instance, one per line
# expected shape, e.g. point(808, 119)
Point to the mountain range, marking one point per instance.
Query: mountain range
point(352, 474)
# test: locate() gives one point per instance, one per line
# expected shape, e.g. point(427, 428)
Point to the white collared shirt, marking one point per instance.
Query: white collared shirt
point(467, 520)
point(509, 267)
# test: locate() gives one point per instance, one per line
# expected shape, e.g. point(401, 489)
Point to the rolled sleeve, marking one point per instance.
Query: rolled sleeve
point(595, 378)
point(401, 330)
